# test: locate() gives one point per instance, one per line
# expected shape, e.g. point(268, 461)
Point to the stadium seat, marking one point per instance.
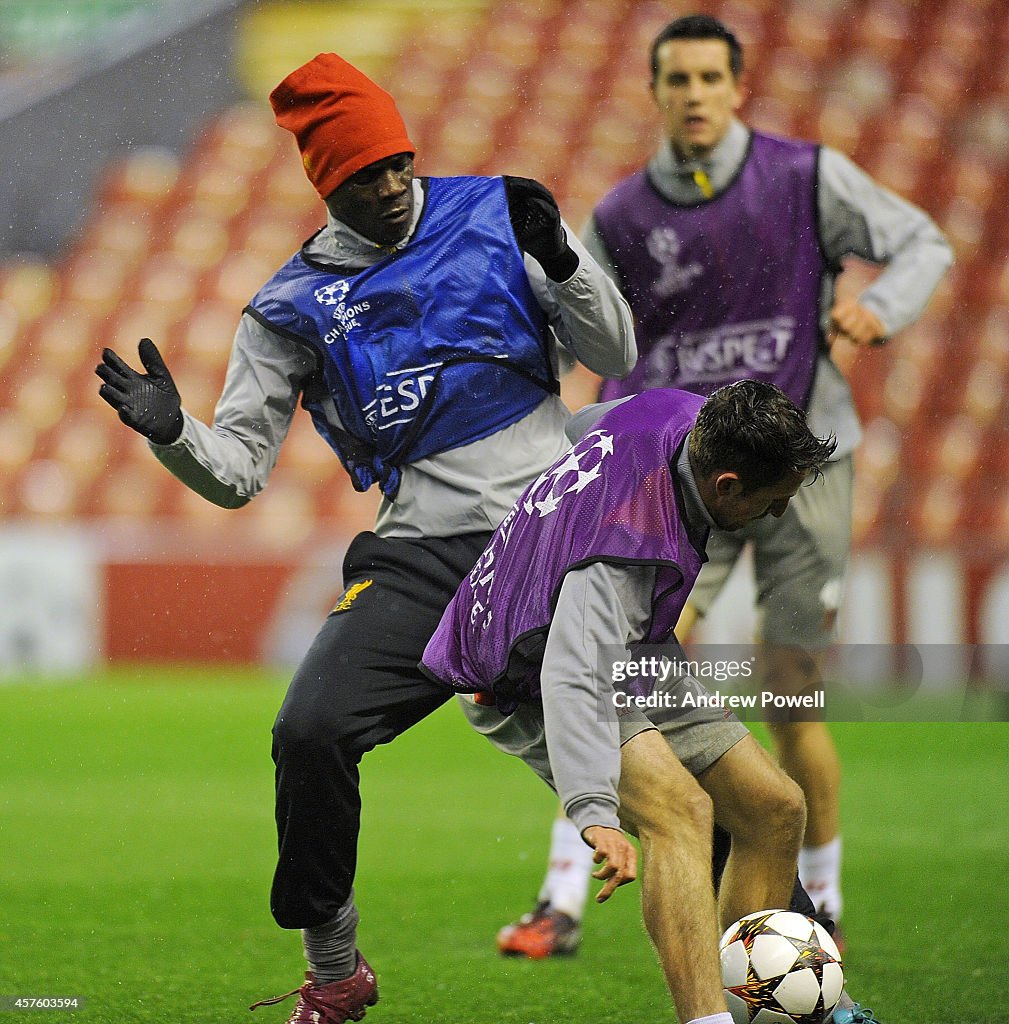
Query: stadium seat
point(283, 184)
point(93, 280)
point(963, 223)
point(904, 392)
point(63, 339)
point(938, 513)
point(791, 81)
point(865, 79)
point(146, 177)
point(282, 517)
point(492, 85)
point(17, 442)
point(86, 442)
point(882, 29)
point(119, 230)
point(136, 491)
point(868, 511)
point(238, 277)
point(839, 122)
point(40, 400)
point(878, 458)
point(29, 287)
point(308, 456)
point(270, 231)
point(199, 387)
point(899, 167)
point(959, 450)
point(132, 321)
point(205, 338)
point(198, 240)
point(166, 286)
point(767, 114)
point(243, 137)
point(45, 490)
point(809, 30)
point(466, 138)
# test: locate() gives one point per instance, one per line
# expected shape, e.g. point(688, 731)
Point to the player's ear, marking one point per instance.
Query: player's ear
point(742, 87)
point(728, 485)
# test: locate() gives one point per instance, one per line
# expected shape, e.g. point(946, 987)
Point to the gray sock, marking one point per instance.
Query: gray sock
point(331, 949)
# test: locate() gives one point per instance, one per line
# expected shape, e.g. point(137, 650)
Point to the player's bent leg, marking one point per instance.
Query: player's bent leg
point(672, 816)
point(800, 569)
point(805, 747)
point(763, 811)
point(546, 930)
point(331, 716)
point(807, 752)
point(553, 926)
point(357, 686)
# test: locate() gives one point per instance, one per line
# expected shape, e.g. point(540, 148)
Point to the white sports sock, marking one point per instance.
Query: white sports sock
point(820, 874)
point(331, 948)
point(714, 1018)
point(566, 884)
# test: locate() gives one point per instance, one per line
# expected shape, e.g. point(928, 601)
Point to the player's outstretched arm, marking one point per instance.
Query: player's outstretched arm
point(617, 855)
point(149, 403)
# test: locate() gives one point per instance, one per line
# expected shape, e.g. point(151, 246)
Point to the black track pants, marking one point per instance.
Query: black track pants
point(357, 686)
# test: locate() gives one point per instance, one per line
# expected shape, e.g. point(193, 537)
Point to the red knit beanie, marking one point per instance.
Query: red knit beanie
point(342, 120)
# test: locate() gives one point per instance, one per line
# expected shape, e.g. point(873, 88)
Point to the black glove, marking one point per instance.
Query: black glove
point(536, 222)
point(149, 404)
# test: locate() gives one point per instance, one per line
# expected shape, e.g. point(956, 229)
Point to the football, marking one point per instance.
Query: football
point(779, 967)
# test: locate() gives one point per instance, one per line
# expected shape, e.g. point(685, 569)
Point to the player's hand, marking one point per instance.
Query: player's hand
point(617, 855)
point(149, 403)
point(855, 323)
point(536, 221)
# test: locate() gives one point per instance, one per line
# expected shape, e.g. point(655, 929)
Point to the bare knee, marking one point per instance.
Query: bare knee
point(776, 815)
point(786, 816)
point(755, 800)
point(677, 813)
point(659, 799)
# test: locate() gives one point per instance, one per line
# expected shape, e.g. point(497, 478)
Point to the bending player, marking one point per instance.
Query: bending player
point(600, 553)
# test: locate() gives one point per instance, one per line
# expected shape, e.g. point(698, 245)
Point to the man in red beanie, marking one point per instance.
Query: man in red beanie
point(419, 328)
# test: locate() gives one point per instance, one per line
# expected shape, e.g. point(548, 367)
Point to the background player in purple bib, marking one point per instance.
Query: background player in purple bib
point(727, 246)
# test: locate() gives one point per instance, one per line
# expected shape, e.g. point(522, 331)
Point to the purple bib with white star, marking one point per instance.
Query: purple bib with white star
point(614, 497)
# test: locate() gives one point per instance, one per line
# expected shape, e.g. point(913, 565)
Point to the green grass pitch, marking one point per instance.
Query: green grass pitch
point(137, 849)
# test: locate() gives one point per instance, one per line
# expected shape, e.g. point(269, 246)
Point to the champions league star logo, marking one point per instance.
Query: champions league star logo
point(570, 475)
point(663, 245)
point(332, 294)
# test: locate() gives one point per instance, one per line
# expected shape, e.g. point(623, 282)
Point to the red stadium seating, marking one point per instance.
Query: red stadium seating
point(173, 249)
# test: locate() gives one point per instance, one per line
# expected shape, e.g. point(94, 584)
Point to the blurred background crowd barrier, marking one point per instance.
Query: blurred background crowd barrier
point(147, 192)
